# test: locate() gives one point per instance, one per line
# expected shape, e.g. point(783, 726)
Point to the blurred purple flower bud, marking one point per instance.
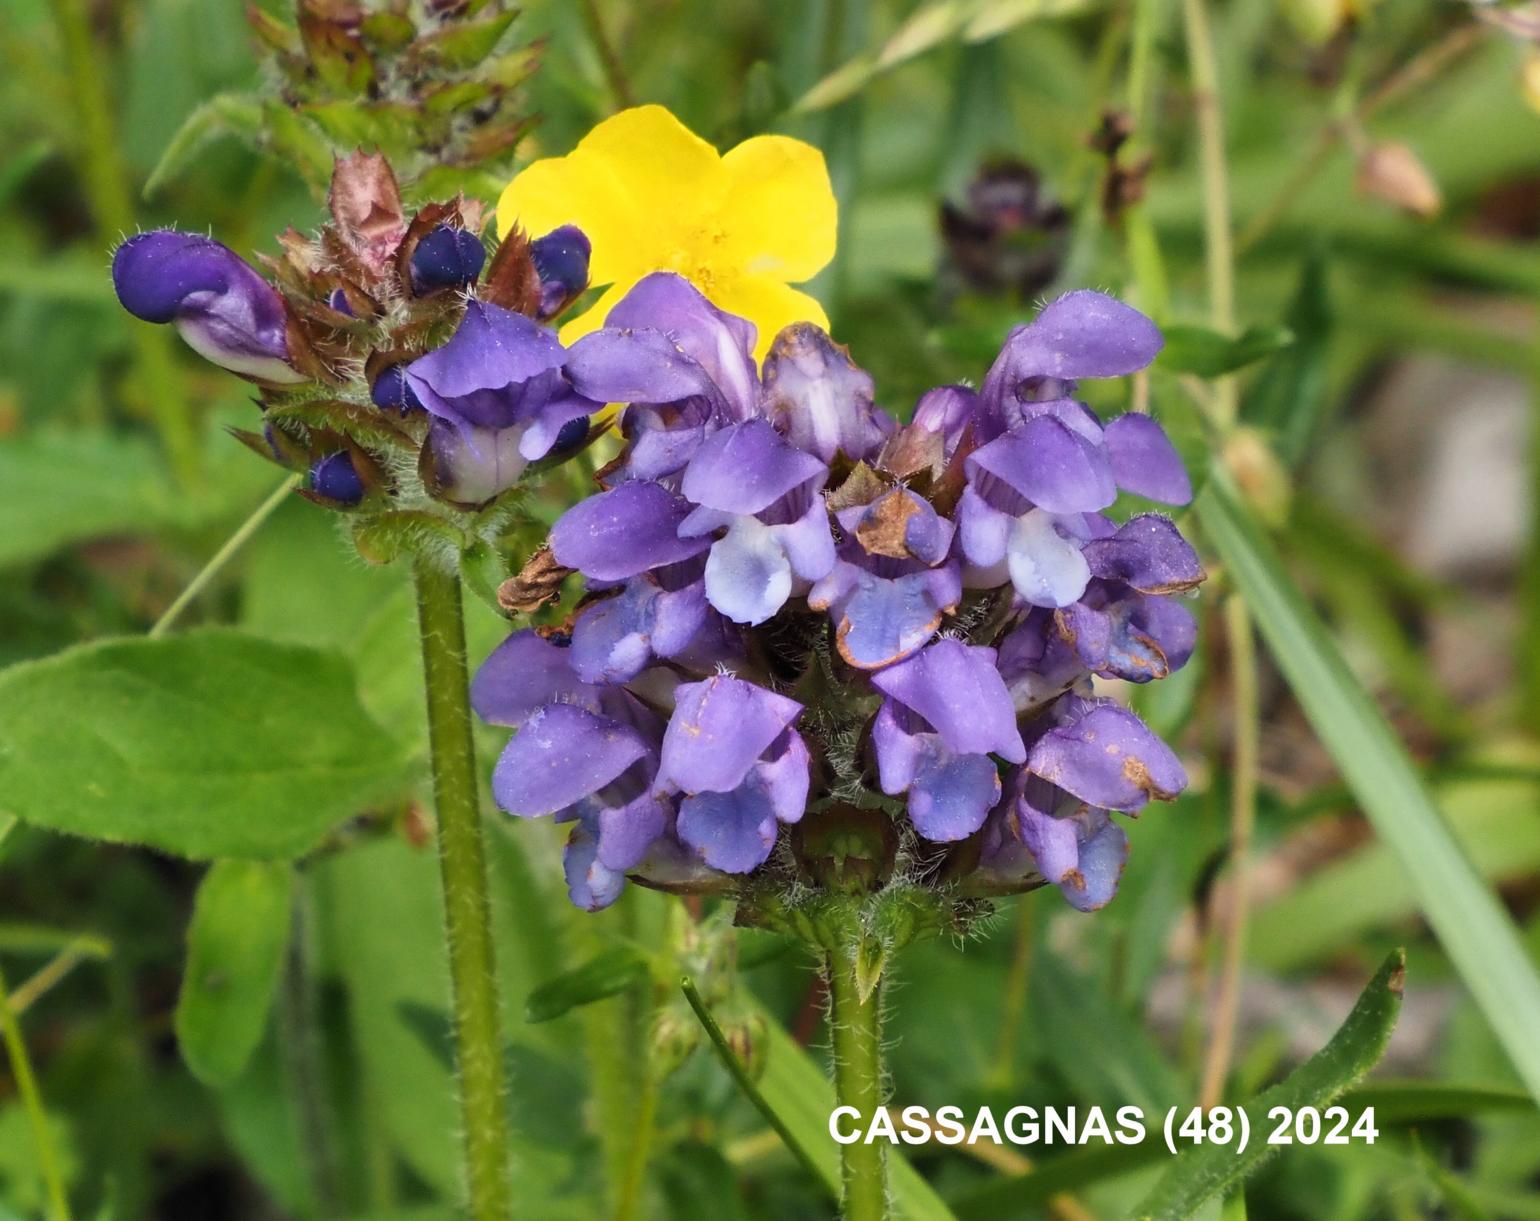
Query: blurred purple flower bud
point(225, 311)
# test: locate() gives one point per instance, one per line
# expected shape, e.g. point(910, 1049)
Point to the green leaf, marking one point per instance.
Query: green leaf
point(211, 744)
point(1475, 931)
point(235, 948)
point(606, 974)
point(225, 114)
point(1289, 395)
point(798, 1091)
point(1202, 1172)
point(1415, 1101)
point(929, 27)
point(66, 487)
point(1206, 353)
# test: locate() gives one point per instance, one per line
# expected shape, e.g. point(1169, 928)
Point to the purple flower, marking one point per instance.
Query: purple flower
point(715, 524)
point(731, 750)
point(446, 257)
point(1105, 755)
point(747, 481)
point(1073, 844)
point(225, 311)
point(1080, 335)
point(499, 399)
point(584, 753)
point(892, 583)
point(818, 398)
point(683, 367)
point(947, 711)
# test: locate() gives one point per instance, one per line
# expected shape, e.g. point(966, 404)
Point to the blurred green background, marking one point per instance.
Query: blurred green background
point(1384, 172)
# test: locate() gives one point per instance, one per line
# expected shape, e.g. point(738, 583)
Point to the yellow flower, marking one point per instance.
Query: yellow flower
point(653, 196)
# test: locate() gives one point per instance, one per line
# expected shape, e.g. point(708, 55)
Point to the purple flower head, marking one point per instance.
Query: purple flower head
point(946, 713)
point(731, 750)
point(683, 367)
point(817, 397)
point(336, 477)
point(225, 311)
point(941, 611)
point(561, 261)
point(446, 257)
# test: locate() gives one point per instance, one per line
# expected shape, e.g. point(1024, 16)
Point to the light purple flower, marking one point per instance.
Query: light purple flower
point(682, 367)
point(763, 495)
point(731, 750)
point(225, 311)
point(816, 396)
point(947, 711)
point(1075, 845)
point(892, 583)
point(1107, 756)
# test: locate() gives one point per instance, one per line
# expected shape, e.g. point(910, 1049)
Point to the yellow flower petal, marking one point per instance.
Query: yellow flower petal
point(635, 184)
point(768, 304)
point(779, 213)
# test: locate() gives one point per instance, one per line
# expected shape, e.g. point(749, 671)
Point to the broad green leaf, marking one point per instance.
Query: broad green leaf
point(1475, 931)
point(799, 1092)
point(210, 744)
point(235, 948)
point(607, 974)
point(1202, 1172)
point(1206, 353)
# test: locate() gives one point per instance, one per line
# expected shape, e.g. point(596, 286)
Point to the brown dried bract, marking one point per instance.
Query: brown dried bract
point(513, 281)
point(537, 584)
point(365, 204)
point(862, 486)
point(885, 529)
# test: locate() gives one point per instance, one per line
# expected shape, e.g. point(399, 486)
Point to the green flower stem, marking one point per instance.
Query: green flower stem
point(106, 181)
point(223, 556)
point(856, 1032)
point(48, 1164)
point(467, 912)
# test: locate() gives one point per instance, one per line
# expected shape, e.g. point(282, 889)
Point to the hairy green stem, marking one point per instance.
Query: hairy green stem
point(106, 181)
point(855, 1029)
point(48, 1164)
point(467, 912)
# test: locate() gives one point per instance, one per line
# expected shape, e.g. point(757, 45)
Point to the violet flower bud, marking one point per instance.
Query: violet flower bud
point(225, 311)
point(392, 391)
point(561, 260)
point(336, 478)
point(446, 257)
